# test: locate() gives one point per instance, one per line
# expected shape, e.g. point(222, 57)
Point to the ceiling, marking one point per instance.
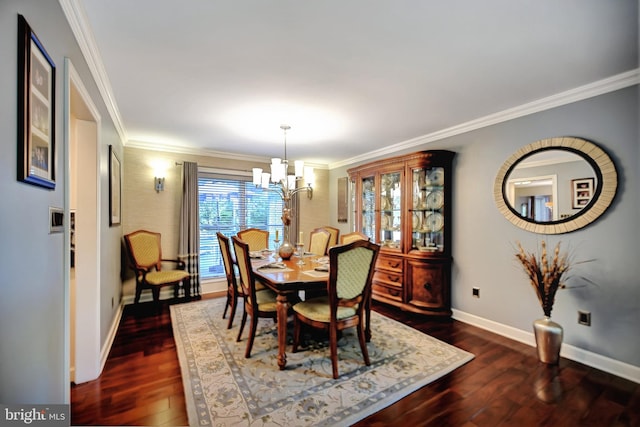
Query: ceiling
point(351, 77)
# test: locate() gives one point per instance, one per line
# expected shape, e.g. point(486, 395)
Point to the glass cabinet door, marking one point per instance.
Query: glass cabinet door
point(428, 209)
point(390, 209)
point(369, 207)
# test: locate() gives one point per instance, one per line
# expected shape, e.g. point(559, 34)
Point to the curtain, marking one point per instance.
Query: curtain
point(189, 247)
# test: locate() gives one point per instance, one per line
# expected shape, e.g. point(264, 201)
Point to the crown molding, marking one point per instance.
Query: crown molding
point(77, 19)
point(600, 87)
point(151, 146)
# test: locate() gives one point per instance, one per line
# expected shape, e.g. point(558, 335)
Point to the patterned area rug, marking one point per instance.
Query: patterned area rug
point(222, 388)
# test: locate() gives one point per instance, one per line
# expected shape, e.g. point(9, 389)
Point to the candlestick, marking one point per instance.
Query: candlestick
point(301, 238)
point(277, 234)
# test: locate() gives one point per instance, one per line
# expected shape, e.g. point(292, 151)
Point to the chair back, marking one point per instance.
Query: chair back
point(256, 239)
point(245, 272)
point(145, 250)
point(319, 241)
point(335, 234)
point(351, 237)
point(227, 259)
point(351, 273)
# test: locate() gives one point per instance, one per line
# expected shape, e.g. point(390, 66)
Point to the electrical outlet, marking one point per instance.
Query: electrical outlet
point(476, 292)
point(584, 318)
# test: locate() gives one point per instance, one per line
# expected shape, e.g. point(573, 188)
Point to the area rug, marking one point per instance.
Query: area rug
point(222, 388)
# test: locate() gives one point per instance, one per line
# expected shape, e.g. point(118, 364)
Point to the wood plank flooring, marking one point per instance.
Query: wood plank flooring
point(504, 385)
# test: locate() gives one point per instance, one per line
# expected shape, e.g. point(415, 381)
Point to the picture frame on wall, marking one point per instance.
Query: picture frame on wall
point(343, 199)
point(581, 192)
point(115, 188)
point(36, 110)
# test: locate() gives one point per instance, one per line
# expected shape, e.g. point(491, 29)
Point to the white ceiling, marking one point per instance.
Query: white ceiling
point(351, 77)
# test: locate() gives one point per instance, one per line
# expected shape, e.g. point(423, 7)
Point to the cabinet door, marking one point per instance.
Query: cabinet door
point(368, 207)
point(428, 209)
point(391, 209)
point(429, 285)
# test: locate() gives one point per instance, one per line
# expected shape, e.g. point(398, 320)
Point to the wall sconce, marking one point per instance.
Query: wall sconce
point(310, 180)
point(159, 184)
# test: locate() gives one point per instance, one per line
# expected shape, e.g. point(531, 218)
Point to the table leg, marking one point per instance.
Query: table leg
point(282, 307)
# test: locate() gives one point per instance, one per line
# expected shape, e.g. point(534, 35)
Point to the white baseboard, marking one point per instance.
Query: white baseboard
point(113, 330)
point(603, 363)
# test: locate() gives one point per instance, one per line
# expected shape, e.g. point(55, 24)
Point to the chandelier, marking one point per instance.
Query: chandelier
point(287, 187)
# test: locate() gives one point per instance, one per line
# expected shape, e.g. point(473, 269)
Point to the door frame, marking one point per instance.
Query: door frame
point(79, 105)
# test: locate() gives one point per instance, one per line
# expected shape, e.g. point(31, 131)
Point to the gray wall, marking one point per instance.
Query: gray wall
point(33, 368)
point(483, 240)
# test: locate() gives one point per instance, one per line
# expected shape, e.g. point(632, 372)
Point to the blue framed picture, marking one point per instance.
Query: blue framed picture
point(36, 110)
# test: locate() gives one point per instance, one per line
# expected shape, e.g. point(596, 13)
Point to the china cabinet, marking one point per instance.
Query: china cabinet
point(404, 204)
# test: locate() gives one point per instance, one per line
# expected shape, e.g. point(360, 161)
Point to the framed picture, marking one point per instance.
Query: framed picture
point(581, 192)
point(36, 110)
point(343, 199)
point(115, 188)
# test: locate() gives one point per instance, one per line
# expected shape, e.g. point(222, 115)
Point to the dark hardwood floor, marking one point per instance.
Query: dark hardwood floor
point(504, 385)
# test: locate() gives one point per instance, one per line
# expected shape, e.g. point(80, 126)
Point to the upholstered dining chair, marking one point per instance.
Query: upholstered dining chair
point(350, 237)
point(256, 239)
point(319, 241)
point(257, 303)
point(351, 268)
point(234, 290)
point(335, 235)
point(145, 254)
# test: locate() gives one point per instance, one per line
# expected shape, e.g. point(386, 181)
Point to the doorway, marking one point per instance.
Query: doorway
point(82, 196)
point(534, 198)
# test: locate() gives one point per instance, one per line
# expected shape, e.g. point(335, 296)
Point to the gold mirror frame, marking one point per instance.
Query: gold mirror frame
point(606, 176)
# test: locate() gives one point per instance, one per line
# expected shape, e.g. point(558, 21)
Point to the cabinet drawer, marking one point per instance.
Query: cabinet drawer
point(388, 277)
point(390, 263)
point(386, 291)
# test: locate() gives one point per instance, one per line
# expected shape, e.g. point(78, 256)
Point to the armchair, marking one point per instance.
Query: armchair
point(145, 254)
point(348, 301)
point(256, 239)
point(319, 241)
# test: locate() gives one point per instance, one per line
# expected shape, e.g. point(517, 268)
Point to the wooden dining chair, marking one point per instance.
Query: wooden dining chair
point(145, 255)
point(350, 237)
point(319, 241)
point(256, 239)
point(257, 303)
point(335, 235)
point(234, 290)
point(351, 268)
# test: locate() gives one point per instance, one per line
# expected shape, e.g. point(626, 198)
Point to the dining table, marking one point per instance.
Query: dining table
point(287, 278)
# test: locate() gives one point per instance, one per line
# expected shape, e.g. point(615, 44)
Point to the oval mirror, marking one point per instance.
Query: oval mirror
point(555, 185)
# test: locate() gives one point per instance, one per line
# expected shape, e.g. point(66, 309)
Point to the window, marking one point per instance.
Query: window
point(229, 203)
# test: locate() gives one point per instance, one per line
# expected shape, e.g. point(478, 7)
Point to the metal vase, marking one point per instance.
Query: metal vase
point(286, 250)
point(548, 340)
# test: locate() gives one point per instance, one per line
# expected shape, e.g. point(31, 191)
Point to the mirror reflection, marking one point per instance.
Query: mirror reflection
point(555, 185)
point(544, 186)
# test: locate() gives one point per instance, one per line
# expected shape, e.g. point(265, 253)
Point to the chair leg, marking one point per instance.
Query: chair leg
point(138, 292)
point(244, 320)
point(224, 313)
point(363, 344)
point(252, 336)
point(367, 328)
point(297, 330)
point(333, 344)
point(234, 305)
